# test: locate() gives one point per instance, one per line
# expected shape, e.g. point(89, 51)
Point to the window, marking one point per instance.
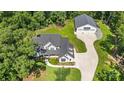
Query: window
point(86, 28)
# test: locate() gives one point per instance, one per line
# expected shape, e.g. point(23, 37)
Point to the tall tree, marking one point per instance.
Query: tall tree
point(16, 50)
point(58, 17)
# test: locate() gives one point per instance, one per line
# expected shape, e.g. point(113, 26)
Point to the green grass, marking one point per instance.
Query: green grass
point(60, 74)
point(66, 31)
point(53, 61)
point(103, 55)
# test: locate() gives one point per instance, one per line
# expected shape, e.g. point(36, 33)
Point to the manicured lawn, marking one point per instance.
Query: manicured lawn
point(66, 31)
point(60, 74)
point(103, 55)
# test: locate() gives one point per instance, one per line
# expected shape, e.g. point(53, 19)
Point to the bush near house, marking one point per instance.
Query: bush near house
point(54, 61)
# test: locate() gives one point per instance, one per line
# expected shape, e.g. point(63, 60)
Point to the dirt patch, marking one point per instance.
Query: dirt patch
point(32, 76)
point(29, 78)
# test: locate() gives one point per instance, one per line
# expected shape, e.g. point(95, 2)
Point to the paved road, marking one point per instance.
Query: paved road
point(87, 62)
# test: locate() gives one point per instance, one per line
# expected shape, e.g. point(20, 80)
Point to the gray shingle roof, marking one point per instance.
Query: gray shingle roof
point(83, 20)
point(56, 40)
point(65, 48)
point(45, 38)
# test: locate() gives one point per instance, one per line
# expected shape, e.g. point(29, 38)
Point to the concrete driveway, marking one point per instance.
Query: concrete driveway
point(87, 62)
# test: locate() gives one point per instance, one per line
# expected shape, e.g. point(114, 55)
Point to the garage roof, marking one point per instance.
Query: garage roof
point(84, 20)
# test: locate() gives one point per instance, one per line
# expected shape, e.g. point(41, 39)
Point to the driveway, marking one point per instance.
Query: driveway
point(87, 62)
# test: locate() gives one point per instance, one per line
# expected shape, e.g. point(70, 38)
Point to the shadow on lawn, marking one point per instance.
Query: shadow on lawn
point(61, 74)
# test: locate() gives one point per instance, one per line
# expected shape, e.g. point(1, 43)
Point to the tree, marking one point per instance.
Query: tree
point(120, 35)
point(72, 14)
point(15, 54)
point(113, 19)
point(39, 17)
point(58, 17)
point(108, 44)
point(108, 75)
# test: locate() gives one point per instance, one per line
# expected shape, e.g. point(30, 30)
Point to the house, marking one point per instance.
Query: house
point(85, 24)
point(53, 45)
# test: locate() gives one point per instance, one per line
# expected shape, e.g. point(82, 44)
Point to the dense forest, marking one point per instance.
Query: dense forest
point(17, 49)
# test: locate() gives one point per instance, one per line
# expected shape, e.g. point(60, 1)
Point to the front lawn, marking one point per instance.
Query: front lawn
point(66, 31)
point(60, 74)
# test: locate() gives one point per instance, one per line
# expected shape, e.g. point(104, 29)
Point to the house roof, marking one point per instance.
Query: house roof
point(65, 48)
point(46, 38)
point(57, 41)
point(84, 19)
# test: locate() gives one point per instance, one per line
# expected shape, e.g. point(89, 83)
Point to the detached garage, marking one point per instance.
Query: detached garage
point(85, 24)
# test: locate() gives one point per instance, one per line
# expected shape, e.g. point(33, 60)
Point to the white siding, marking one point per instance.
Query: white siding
point(83, 30)
point(50, 46)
